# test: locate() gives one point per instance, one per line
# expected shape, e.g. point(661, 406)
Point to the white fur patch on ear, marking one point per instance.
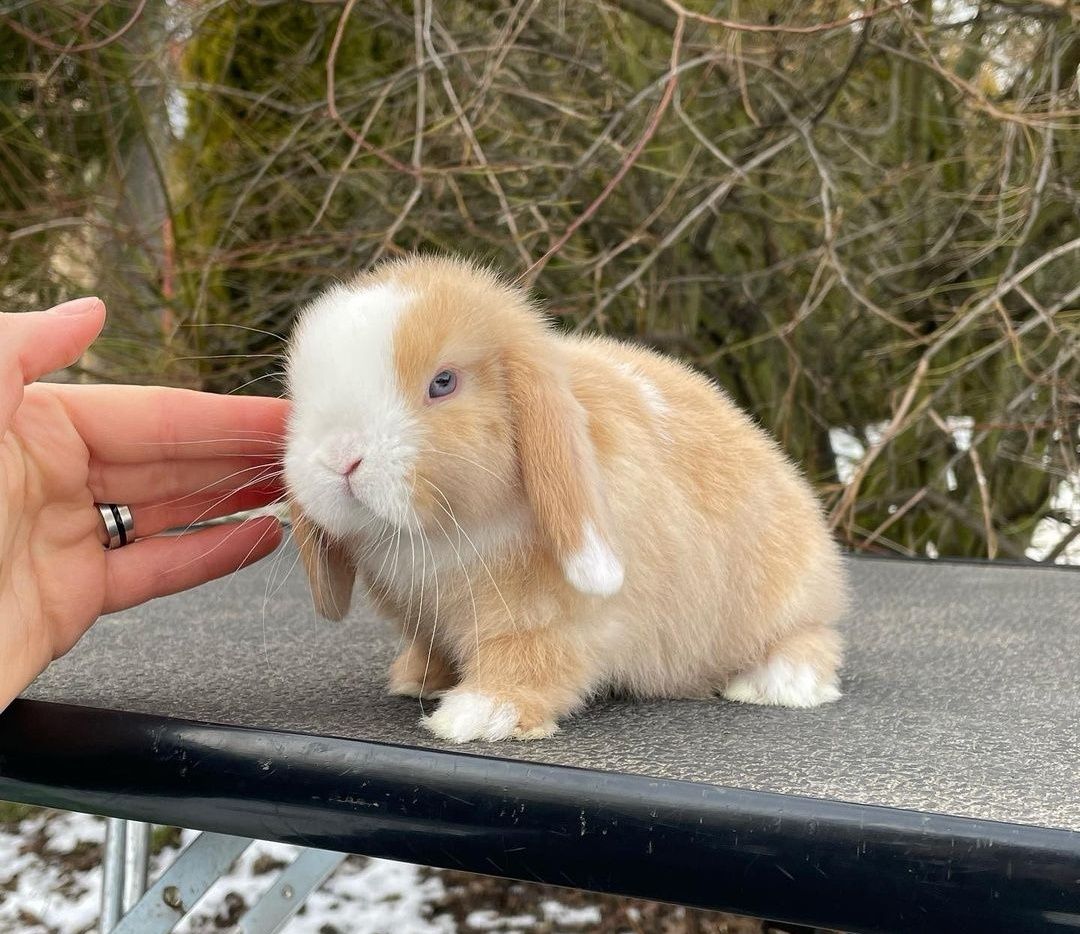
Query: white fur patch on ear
point(594, 569)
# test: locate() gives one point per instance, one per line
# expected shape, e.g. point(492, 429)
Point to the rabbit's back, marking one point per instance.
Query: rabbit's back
point(724, 543)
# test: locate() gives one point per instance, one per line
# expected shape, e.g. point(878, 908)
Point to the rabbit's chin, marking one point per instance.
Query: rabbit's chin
point(346, 516)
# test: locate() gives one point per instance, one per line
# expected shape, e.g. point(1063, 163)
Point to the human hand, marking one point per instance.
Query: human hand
point(174, 456)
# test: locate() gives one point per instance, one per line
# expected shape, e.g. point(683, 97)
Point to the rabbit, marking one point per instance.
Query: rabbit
point(546, 516)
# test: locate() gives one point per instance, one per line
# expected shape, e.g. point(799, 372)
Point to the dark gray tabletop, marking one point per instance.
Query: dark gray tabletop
point(960, 691)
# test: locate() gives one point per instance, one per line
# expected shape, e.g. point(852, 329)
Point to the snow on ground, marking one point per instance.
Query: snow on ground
point(365, 896)
point(46, 883)
point(50, 878)
point(487, 919)
point(562, 916)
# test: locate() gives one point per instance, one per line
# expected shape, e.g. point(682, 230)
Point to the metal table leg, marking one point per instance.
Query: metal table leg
point(112, 881)
point(136, 862)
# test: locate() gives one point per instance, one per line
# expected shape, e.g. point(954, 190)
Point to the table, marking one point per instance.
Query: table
point(941, 793)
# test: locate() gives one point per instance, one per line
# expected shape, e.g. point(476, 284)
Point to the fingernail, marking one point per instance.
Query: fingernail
point(78, 306)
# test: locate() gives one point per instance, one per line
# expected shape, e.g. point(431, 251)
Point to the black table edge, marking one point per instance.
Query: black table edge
point(798, 859)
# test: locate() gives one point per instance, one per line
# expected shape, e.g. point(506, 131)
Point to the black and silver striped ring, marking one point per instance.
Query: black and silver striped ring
point(119, 524)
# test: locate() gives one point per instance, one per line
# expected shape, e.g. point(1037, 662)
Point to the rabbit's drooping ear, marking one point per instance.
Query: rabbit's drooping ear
point(330, 570)
point(561, 477)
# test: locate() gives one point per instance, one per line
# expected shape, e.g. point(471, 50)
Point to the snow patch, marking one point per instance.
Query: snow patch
point(488, 920)
point(564, 916)
point(43, 891)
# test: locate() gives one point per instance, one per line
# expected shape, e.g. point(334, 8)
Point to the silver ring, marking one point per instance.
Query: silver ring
point(119, 524)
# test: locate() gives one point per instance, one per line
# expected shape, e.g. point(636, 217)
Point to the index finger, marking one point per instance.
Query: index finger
point(138, 424)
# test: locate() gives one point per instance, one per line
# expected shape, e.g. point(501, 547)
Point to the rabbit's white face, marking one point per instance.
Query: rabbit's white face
point(429, 395)
point(353, 437)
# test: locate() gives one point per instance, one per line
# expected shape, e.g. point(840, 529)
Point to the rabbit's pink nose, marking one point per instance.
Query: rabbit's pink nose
point(351, 466)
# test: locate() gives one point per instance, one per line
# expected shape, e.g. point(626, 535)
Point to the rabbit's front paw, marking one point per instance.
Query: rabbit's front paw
point(467, 715)
point(538, 731)
point(420, 672)
point(413, 689)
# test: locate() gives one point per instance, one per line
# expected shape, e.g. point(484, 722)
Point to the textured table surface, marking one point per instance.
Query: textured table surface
point(961, 688)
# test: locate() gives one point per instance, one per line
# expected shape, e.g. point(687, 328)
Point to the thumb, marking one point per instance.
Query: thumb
point(35, 343)
point(44, 341)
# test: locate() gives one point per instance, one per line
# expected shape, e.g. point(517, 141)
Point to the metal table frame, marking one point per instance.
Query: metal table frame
point(129, 907)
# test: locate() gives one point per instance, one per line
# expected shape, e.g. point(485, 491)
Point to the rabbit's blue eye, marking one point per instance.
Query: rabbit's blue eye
point(443, 384)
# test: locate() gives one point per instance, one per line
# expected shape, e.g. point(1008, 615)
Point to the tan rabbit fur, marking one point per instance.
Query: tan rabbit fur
point(577, 515)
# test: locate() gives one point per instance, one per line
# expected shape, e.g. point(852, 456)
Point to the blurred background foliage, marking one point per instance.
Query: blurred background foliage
point(861, 218)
